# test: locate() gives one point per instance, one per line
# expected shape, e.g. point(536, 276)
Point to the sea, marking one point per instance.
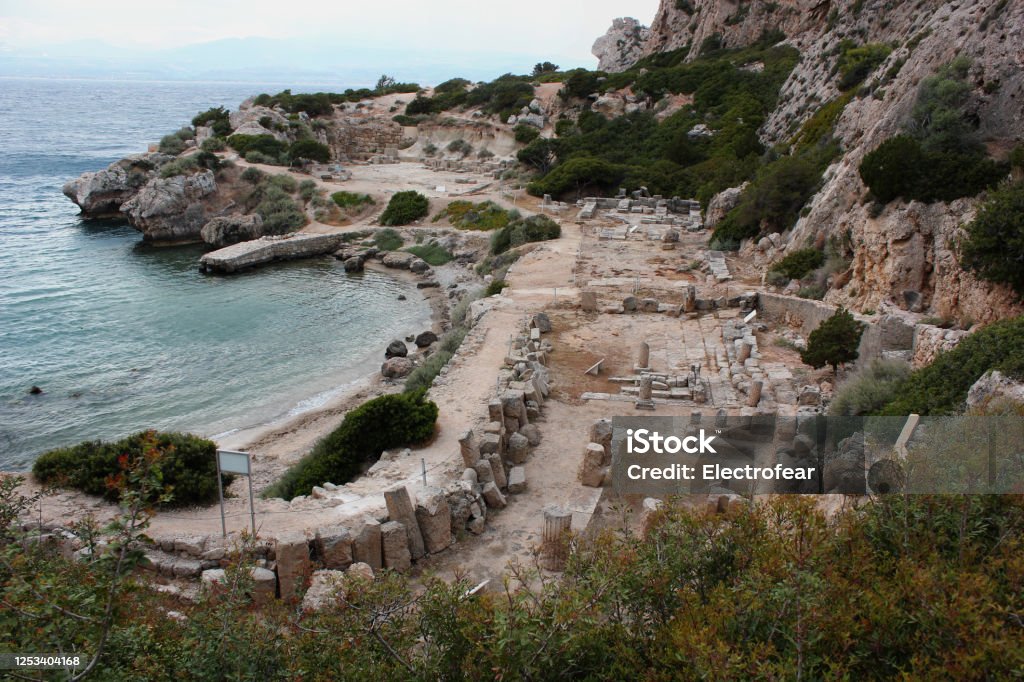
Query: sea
point(123, 336)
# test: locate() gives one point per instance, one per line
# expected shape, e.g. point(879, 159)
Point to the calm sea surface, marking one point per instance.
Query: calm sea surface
point(122, 336)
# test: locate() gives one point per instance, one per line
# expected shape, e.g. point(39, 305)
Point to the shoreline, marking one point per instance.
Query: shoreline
point(282, 441)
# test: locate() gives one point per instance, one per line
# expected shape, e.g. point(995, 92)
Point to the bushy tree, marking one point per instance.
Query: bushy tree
point(994, 244)
point(541, 68)
point(799, 263)
point(309, 149)
point(834, 342)
point(404, 208)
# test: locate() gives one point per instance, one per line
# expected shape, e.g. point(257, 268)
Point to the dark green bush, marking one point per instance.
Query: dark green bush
point(175, 142)
point(311, 150)
point(352, 199)
point(460, 147)
point(186, 463)
point(264, 144)
point(218, 118)
point(533, 229)
point(525, 133)
point(421, 378)
point(835, 342)
point(433, 254)
point(252, 175)
point(214, 144)
point(495, 287)
point(404, 208)
point(994, 244)
point(386, 422)
point(798, 264)
point(388, 240)
point(901, 168)
point(857, 63)
point(579, 176)
point(941, 387)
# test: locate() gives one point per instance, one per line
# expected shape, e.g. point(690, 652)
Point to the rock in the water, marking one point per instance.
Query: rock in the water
point(227, 230)
point(396, 368)
point(419, 266)
point(171, 209)
point(425, 339)
point(396, 349)
point(35, 390)
point(353, 264)
point(102, 193)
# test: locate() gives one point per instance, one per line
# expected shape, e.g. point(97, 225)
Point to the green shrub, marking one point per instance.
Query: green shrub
point(465, 215)
point(184, 165)
point(869, 389)
point(460, 147)
point(253, 175)
point(820, 126)
point(941, 387)
point(798, 264)
point(380, 424)
point(268, 145)
point(495, 287)
point(433, 253)
point(388, 240)
point(406, 120)
point(815, 292)
point(307, 190)
point(352, 200)
point(577, 176)
point(404, 208)
point(533, 229)
point(310, 150)
point(214, 144)
point(174, 143)
point(218, 118)
point(901, 168)
point(461, 309)
point(525, 134)
point(279, 211)
point(994, 244)
point(835, 342)
point(857, 63)
point(186, 463)
point(421, 378)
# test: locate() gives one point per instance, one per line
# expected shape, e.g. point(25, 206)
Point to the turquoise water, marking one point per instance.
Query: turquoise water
point(123, 336)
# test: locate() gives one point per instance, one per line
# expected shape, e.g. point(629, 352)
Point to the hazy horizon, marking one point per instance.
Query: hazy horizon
point(343, 42)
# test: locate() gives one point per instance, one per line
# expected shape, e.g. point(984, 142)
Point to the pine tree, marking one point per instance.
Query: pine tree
point(834, 342)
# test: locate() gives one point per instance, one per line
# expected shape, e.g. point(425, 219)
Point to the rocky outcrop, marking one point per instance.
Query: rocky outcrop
point(994, 387)
point(227, 230)
point(101, 194)
point(722, 203)
point(903, 254)
point(622, 46)
point(171, 209)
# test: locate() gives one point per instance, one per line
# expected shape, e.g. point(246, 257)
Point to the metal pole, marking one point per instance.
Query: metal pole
point(220, 491)
point(252, 507)
point(423, 463)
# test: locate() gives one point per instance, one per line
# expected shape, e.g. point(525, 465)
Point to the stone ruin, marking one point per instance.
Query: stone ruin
point(655, 210)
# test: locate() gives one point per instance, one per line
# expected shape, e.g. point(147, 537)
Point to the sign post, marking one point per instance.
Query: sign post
point(230, 462)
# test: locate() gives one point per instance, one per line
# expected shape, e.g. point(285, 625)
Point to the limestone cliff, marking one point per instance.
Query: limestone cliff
point(905, 255)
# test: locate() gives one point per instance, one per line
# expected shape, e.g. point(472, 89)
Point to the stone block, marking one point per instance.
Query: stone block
point(334, 547)
point(401, 509)
point(493, 497)
point(434, 518)
point(264, 585)
point(324, 588)
point(518, 448)
point(498, 469)
point(366, 545)
point(592, 467)
point(395, 546)
point(293, 563)
point(517, 480)
point(469, 449)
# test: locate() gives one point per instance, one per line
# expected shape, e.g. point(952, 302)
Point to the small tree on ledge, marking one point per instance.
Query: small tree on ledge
point(834, 342)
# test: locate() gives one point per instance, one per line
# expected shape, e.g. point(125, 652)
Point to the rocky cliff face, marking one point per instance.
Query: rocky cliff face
point(905, 255)
point(100, 194)
point(622, 45)
point(172, 209)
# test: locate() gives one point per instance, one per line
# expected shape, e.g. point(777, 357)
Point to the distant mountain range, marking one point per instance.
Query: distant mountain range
point(261, 60)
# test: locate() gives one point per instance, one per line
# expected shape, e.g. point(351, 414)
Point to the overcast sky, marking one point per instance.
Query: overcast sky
point(562, 28)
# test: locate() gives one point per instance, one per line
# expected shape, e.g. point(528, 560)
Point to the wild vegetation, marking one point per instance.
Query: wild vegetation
point(485, 216)
point(941, 387)
point(834, 342)
point(994, 243)
point(379, 424)
point(404, 208)
point(781, 592)
point(940, 157)
point(186, 468)
point(536, 228)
